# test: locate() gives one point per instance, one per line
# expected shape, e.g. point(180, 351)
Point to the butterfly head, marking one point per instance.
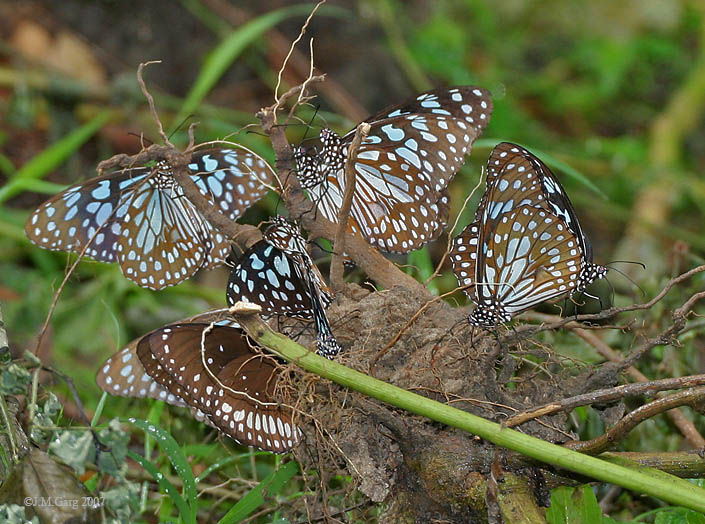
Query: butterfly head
point(589, 273)
point(308, 168)
point(327, 346)
point(489, 314)
point(333, 155)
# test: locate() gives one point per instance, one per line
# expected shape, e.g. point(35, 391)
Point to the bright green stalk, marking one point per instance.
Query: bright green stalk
point(661, 485)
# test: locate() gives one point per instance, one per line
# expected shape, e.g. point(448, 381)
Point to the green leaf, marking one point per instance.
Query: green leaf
point(14, 380)
point(421, 263)
point(676, 515)
point(573, 506)
point(14, 514)
point(53, 156)
point(116, 440)
point(187, 514)
point(123, 501)
point(273, 484)
point(75, 448)
point(170, 447)
point(222, 57)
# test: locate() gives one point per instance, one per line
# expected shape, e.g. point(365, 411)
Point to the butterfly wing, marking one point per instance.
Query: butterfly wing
point(267, 277)
point(141, 218)
point(529, 256)
point(469, 103)
point(124, 375)
point(87, 214)
point(228, 381)
point(287, 237)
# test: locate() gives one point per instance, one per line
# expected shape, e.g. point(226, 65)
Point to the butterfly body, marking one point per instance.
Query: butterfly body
point(525, 245)
point(277, 274)
point(403, 167)
point(140, 218)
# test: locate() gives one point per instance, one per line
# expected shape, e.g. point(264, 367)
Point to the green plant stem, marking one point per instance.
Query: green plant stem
point(10, 430)
point(676, 491)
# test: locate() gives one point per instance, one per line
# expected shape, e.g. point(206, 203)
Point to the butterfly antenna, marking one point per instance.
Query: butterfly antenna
point(643, 293)
point(643, 266)
point(612, 291)
point(140, 136)
point(186, 119)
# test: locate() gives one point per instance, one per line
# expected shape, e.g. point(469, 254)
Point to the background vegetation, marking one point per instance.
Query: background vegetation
point(612, 90)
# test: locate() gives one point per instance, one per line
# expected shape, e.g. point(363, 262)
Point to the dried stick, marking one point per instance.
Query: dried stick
point(298, 68)
point(450, 233)
point(150, 100)
point(336, 265)
point(3, 406)
point(609, 313)
point(606, 395)
point(302, 32)
point(413, 319)
point(685, 425)
point(178, 160)
point(620, 430)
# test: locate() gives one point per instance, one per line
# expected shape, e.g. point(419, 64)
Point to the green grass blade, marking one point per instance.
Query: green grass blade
point(222, 57)
point(273, 484)
point(421, 267)
point(224, 462)
point(170, 447)
point(99, 409)
point(7, 168)
point(53, 156)
point(165, 485)
point(40, 186)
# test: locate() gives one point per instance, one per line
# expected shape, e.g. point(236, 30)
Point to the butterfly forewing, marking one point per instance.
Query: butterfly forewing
point(124, 375)
point(278, 274)
point(403, 167)
point(267, 277)
point(468, 103)
point(87, 214)
point(140, 217)
point(228, 381)
point(515, 177)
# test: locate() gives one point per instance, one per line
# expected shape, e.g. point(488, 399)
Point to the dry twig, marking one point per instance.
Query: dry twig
point(336, 265)
point(619, 431)
point(606, 395)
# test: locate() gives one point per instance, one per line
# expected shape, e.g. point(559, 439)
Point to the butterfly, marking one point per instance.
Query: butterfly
point(278, 274)
point(525, 244)
point(213, 369)
point(402, 167)
point(140, 218)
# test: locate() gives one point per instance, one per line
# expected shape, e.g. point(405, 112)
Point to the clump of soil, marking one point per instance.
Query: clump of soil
point(406, 460)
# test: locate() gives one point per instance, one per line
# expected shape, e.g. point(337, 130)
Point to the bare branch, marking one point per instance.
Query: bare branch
point(302, 32)
point(336, 265)
point(683, 423)
point(606, 395)
point(150, 100)
point(619, 431)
